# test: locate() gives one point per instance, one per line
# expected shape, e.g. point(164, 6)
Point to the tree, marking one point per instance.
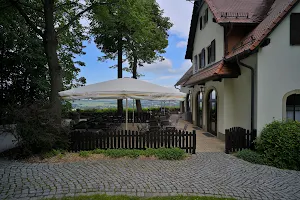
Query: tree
point(143, 32)
point(52, 20)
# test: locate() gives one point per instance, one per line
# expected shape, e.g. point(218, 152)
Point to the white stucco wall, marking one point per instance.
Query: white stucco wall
point(237, 97)
point(278, 73)
point(210, 31)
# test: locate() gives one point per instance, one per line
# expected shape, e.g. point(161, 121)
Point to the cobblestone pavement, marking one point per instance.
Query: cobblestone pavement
point(211, 174)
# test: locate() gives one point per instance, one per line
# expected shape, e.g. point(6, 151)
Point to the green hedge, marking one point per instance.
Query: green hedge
point(279, 144)
point(251, 156)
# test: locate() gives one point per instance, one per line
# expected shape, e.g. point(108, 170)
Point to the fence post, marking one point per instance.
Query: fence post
point(227, 141)
point(194, 141)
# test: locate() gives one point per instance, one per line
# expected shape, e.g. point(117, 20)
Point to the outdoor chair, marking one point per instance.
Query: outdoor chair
point(184, 129)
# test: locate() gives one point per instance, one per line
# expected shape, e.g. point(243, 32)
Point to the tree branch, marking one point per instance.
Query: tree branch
point(30, 6)
point(77, 16)
point(27, 19)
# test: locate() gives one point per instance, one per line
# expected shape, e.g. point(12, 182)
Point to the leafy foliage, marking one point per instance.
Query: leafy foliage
point(161, 153)
point(279, 144)
point(36, 131)
point(251, 156)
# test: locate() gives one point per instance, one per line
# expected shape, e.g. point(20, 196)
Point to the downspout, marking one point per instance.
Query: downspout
point(252, 89)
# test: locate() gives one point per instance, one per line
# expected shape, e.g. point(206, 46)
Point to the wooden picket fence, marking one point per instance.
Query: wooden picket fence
point(238, 138)
point(122, 139)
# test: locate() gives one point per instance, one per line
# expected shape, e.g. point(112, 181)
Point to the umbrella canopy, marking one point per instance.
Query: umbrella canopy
point(123, 88)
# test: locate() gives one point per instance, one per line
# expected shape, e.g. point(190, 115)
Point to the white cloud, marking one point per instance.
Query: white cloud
point(181, 44)
point(166, 69)
point(168, 77)
point(158, 67)
point(180, 13)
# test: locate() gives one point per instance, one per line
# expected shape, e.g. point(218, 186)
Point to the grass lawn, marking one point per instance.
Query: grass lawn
point(106, 197)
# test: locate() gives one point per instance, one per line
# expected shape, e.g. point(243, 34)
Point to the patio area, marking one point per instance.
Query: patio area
point(203, 142)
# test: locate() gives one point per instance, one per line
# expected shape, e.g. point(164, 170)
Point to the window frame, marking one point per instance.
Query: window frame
point(201, 24)
point(206, 16)
point(294, 29)
point(195, 61)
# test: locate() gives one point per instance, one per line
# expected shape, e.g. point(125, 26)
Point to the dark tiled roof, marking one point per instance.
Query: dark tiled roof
point(185, 77)
point(218, 70)
point(277, 12)
point(239, 11)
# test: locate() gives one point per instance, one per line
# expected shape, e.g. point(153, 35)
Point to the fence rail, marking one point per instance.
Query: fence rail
point(238, 138)
point(122, 139)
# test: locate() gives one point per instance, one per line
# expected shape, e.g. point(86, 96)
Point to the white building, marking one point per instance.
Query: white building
point(246, 64)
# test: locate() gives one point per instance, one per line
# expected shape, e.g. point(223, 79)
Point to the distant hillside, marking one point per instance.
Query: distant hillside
point(108, 103)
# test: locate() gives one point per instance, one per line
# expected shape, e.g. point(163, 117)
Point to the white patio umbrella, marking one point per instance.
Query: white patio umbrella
point(123, 88)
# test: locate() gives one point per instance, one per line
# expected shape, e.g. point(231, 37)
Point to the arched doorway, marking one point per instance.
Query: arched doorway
point(188, 103)
point(212, 112)
point(293, 107)
point(200, 109)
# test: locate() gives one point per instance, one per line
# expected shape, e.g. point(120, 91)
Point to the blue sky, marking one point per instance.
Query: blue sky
point(164, 73)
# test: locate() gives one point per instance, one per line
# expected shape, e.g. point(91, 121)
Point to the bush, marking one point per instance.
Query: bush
point(279, 144)
point(169, 154)
point(37, 131)
point(162, 153)
point(84, 153)
point(251, 156)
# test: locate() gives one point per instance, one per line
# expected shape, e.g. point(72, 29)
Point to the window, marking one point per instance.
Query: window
point(293, 107)
point(206, 16)
point(200, 23)
point(196, 66)
point(202, 58)
point(295, 29)
point(211, 52)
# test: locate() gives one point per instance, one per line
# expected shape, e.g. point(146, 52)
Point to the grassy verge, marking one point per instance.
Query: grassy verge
point(105, 197)
point(161, 153)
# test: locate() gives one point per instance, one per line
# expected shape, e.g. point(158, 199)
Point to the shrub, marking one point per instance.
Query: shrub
point(279, 143)
point(51, 153)
point(84, 153)
point(37, 131)
point(98, 151)
point(169, 154)
point(251, 156)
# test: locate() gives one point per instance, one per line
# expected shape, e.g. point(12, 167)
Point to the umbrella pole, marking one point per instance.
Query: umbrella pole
point(133, 112)
point(126, 125)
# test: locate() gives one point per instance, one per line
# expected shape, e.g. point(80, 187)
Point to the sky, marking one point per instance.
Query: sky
point(165, 73)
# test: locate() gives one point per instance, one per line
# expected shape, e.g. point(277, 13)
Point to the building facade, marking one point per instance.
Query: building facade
point(246, 64)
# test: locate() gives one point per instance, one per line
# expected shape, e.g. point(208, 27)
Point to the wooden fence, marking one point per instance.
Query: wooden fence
point(89, 140)
point(238, 138)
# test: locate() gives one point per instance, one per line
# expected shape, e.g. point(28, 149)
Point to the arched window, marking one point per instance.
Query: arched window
point(212, 112)
point(293, 107)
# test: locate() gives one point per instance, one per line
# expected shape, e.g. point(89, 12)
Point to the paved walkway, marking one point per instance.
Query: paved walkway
point(203, 174)
point(204, 143)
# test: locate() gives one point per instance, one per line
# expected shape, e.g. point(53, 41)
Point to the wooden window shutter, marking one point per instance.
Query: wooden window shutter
point(208, 54)
point(200, 23)
point(213, 50)
point(203, 54)
point(195, 63)
point(295, 29)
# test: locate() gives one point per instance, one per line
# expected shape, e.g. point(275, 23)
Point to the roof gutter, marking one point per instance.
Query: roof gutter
point(252, 89)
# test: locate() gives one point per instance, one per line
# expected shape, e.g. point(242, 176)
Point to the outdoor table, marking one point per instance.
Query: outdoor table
point(170, 128)
point(165, 122)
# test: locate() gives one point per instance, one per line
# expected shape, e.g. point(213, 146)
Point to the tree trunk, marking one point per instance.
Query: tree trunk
point(134, 75)
point(120, 72)
point(50, 47)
